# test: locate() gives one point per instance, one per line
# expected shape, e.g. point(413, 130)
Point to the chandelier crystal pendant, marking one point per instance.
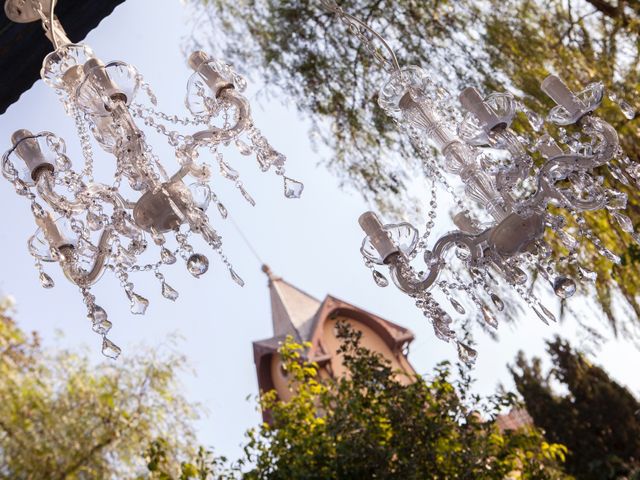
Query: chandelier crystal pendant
point(499, 174)
point(89, 227)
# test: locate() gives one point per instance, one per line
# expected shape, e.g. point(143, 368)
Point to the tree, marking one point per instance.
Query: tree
point(310, 57)
point(597, 419)
point(61, 418)
point(370, 424)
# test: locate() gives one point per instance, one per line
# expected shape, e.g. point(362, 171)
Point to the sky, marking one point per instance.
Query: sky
point(312, 242)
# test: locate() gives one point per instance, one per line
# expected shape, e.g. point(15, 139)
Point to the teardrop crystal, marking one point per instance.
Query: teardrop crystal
point(227, 172)
point(548, 313)
point(564, 287)
point(223, 210)
point(292, 188)
point(456, 306)
point(497, 301)
point(625, 222)
point(110, 349)
point(21, 187)
point(518, 276)
point(197, 264)
point(535, 120)
point(94, 222)
point(616, 200)
point(627, 109)
point(462, 252)
point(380, 279)
point(587, 274)
point(619, 175)
point(541, 316)
point(489, 317)
point(169, 292)
point(98, 314)
point(37, 210)
point(158, 238)
point(467, 354)
point(609, 255)
point(167, 256)
point(46, 281)
point(236, 278)
point(246, 196)
point(243, 148)
point(441, 327)
point(568, 240)
point(139, 304)
point(102, 327)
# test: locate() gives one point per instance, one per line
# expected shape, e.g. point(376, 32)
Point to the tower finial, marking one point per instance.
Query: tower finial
point(267, 270)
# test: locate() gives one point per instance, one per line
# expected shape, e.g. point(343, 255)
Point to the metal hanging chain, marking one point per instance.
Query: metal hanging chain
point(364, 32)
point(51, 26)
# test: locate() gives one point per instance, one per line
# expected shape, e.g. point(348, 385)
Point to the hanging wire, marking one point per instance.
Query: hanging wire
point(246, 240)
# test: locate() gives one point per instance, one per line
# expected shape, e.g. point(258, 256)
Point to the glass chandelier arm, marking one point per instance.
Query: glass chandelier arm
point(506, 139)
point(408, 282)
point(81, 277)
point(243, 115)
point(333, 7)
point(77, 205)
point(61, 204)
point(595, 126)
point(561, 166)
point(107, 194)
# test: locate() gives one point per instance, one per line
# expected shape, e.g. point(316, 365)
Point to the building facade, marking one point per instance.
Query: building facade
point(307, 319)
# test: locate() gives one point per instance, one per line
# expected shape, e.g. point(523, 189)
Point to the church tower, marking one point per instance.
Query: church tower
point(307, 319)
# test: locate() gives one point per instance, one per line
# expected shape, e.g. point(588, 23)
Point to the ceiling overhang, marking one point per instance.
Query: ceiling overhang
point(23, 46)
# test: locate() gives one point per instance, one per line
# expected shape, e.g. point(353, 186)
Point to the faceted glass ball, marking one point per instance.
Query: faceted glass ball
point(564, 287)
point(197, 264)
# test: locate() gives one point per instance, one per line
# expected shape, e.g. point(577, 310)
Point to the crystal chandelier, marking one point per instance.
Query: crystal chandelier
point(89, 227)
point(499, 174)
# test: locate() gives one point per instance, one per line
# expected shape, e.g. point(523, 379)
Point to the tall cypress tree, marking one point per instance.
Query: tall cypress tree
point(594, 416)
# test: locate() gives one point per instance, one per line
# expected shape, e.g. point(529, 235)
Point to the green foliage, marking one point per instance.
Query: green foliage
point(597, 419)
point(302, 50)
point(494, 44)
point(61, 418)
point(204, 466)
point(378, 423)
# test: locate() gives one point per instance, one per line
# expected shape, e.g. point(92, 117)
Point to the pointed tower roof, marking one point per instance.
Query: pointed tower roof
point(292, 310)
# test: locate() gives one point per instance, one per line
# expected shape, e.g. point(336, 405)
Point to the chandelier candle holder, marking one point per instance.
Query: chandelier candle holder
point(89, 227)
point(497, 168)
